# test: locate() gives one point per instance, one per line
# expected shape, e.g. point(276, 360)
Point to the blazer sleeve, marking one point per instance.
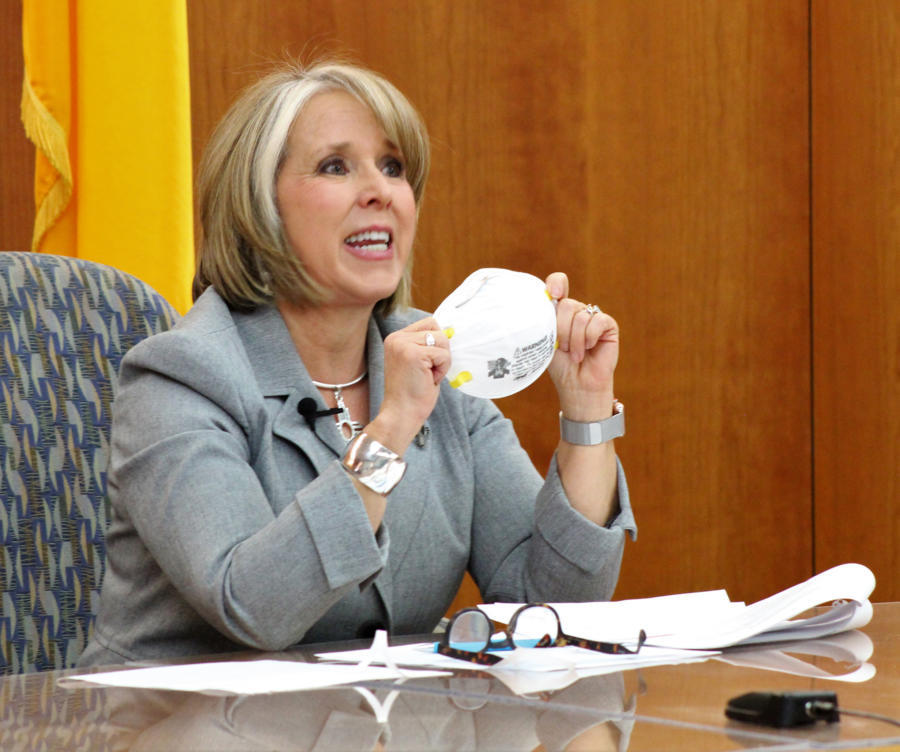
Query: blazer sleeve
point(528, 542)
point(187, 434)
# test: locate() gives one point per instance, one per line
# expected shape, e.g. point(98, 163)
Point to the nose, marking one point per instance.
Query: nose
point(375, 188)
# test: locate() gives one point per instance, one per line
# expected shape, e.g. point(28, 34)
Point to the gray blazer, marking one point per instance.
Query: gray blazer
point(234, 526)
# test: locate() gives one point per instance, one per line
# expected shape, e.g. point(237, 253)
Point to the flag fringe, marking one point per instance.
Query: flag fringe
point(50, 139)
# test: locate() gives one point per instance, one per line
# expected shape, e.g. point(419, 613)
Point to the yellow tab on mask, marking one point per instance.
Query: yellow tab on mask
point(461, 378)
point(449, 332)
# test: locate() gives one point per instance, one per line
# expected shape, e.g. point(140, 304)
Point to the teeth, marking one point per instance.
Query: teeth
point(369, 237)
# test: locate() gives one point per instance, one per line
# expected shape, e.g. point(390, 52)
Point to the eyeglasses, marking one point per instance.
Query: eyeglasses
point(471, 634)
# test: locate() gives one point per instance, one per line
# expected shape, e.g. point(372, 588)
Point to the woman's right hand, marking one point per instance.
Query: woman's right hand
point(416, 359)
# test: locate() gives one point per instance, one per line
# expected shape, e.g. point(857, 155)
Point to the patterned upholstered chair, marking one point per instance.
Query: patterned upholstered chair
point(64, 326)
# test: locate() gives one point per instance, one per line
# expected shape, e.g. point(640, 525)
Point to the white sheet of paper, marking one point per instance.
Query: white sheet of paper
point(620, 621)
point(242, 677)
point(525, 682)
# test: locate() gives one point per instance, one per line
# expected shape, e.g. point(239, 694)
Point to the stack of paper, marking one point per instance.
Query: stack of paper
point(710, 620)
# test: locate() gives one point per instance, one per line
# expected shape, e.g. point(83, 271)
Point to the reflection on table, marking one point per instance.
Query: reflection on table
point(446, 713)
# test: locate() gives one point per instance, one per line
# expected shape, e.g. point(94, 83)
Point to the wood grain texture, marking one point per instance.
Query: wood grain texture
point(16, 151)
point(856, 274)
point(698, 181)
point(658, 153)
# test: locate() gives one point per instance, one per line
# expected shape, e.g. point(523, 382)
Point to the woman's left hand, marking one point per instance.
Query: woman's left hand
point(583, 366)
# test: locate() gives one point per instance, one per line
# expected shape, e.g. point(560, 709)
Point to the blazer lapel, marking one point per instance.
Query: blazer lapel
point(280, 373)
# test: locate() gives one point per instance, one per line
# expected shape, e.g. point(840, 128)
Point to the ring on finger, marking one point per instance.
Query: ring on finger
point(429, 339)
point(591, 310)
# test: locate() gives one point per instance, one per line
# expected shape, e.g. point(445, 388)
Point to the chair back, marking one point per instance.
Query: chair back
point(65, 324)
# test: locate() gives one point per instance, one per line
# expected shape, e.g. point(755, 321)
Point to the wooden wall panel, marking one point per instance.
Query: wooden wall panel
point(699, 182)
point(856, 274)
point(656, 151)
point(16, 153)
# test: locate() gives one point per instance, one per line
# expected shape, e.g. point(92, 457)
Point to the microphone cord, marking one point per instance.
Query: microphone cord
point(821, 708)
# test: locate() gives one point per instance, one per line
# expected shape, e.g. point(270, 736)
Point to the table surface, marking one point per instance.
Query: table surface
point(677, 707)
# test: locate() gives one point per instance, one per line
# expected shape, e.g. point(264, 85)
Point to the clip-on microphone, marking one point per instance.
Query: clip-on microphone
point(307, 407)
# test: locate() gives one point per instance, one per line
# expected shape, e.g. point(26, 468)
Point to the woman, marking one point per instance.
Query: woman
point(245, 512)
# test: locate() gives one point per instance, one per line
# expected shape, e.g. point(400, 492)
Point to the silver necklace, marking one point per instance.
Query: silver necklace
point(346, 426)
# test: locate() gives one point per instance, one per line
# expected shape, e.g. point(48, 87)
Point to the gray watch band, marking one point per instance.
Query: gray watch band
point(373, 464)
point(589, 434)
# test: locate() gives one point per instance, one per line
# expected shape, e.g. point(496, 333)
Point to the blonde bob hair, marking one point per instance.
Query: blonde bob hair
point(244, 253)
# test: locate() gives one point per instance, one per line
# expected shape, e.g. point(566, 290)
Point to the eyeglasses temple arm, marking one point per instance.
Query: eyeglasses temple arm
point(482, 658)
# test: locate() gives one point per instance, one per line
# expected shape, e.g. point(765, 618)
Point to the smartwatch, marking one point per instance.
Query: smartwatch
point(597, 432)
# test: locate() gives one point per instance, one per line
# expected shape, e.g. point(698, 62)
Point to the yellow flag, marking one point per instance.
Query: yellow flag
point(106, 101)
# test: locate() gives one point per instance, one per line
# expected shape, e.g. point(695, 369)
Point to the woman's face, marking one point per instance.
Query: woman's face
point(348, 211)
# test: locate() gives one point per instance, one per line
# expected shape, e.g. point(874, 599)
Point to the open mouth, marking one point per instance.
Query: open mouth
point(370, 241)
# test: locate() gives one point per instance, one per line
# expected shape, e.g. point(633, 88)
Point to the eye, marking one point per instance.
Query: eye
point(332, 166)
point(393, 167)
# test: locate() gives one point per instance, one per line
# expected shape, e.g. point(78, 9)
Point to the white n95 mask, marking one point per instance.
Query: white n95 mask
point(502, 329)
